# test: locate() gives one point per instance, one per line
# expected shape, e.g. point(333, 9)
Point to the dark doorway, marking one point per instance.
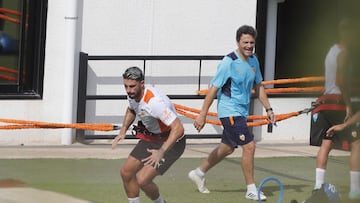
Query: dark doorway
point(306, 29)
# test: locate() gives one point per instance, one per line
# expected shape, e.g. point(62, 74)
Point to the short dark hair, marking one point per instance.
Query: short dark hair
point(133, 73)
point(245, 29)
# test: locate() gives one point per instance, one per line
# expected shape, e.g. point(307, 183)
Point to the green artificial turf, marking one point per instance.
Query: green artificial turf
point(98, 180)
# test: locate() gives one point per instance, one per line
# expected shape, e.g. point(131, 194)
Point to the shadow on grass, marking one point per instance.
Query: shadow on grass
point(274, 172)
point(268, 190)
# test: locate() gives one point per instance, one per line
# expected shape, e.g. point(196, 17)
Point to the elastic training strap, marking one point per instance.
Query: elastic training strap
point(330, 98)
point(149, 138)
point(140, 131)
point(333, 102)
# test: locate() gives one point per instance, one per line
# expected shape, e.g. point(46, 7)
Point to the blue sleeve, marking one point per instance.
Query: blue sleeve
point(222, 73)
point(258, 75)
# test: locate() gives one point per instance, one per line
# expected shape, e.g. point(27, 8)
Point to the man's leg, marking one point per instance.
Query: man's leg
point(247, 165)
point(355, 170)
point(321, 162)
point(218, 154)
point(247, 162)
point(128, 175)
point(145, 179)
point(355, 156)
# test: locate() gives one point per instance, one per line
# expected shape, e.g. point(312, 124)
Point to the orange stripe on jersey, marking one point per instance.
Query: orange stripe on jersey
point(148, 95)
point(162, 126)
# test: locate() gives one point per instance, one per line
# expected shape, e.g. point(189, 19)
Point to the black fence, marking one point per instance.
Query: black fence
point(83, 97)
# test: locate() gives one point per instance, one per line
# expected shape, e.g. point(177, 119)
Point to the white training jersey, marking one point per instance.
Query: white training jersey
point(331, 69)
point(155, 110)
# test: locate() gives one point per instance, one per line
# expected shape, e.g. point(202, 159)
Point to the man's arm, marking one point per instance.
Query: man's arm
point(342, 64)
point(344, 125)
point(176, 132)
point(156, 157)
point(209, 98)
point(265, 102)
point(128, 120)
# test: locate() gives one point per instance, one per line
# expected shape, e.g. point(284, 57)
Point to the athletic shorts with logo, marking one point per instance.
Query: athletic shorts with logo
point(236, 131)
point(140, 152)
point(322, 121)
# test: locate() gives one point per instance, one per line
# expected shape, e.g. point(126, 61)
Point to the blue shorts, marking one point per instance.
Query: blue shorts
point(235, 132)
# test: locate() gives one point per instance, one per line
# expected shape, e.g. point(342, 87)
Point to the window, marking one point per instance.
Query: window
point(22, 44)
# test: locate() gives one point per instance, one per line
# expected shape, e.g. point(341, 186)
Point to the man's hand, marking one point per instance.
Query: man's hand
point(349, 113)
point(199, 122)
point(271, 116)
point(116, 140)
point(155, 159)
point(339, 127)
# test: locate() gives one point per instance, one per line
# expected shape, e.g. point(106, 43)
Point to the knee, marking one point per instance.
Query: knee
point(250, 147)
point(126, 175)
point(326, 145)
point(142, 182)
point(230, 151)
point(223, 150)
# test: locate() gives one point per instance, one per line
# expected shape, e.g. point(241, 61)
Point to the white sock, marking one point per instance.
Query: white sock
point(134, 200)
point(354, 181)
point(199, 172)
point(319, 177)
point(159, 200)
point(251, 188)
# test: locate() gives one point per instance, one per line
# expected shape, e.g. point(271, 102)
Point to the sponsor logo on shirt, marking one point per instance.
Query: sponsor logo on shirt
point(142, 112)
point(167, 115)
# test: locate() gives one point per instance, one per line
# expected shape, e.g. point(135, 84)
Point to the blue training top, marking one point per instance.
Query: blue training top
point(235, 79)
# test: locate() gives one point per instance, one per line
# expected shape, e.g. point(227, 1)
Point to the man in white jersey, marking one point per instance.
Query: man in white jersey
point(160, 133)
point(331, 109)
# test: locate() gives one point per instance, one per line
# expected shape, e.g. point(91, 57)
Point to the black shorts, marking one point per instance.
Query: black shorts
point(236, 131)
point(322, 121)
point(140, 152)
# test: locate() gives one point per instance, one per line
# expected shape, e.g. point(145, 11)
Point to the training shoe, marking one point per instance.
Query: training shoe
point(354, 195)
point(327, 193)
point(317, 195)
point(254, 196)
point(199, 181)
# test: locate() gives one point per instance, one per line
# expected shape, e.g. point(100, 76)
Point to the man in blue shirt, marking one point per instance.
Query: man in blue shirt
point(232, 86)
